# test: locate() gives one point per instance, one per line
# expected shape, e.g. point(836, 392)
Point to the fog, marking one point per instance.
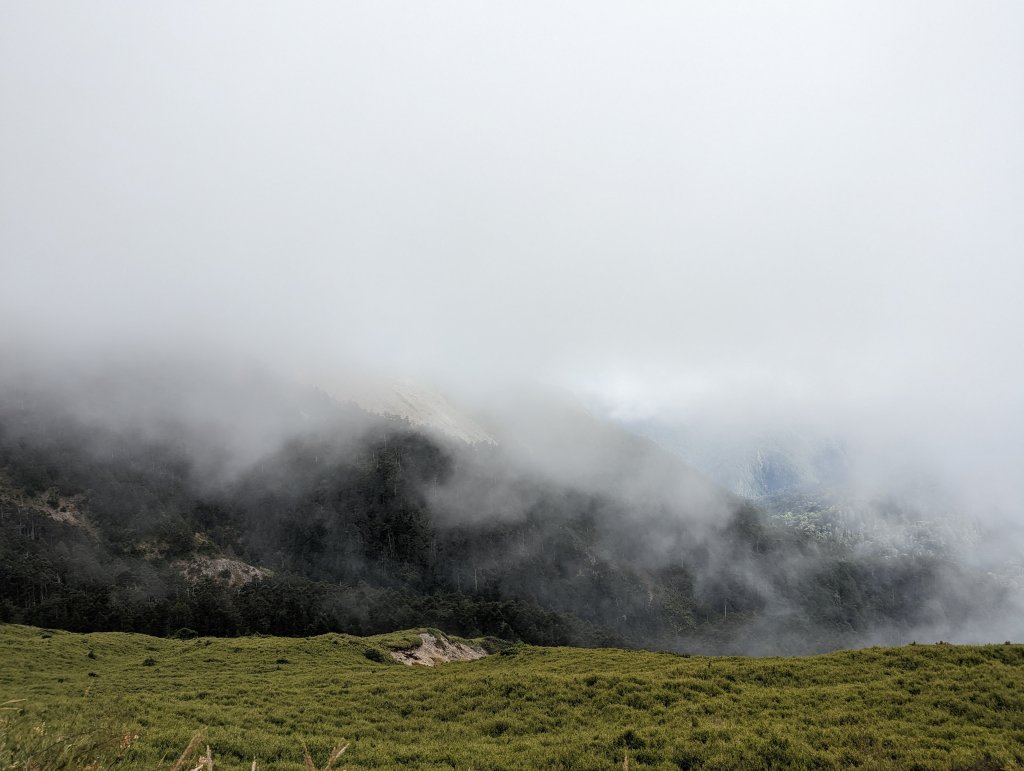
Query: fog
point(733, 219)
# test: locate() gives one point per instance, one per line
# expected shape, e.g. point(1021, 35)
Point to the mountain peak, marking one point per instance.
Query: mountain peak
point(423, 406)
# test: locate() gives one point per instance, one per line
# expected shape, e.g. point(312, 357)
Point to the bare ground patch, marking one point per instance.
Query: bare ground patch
point(436, 650)
point(221, 569)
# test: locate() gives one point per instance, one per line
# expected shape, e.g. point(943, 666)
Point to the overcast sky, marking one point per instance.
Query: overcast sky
point(820, 204)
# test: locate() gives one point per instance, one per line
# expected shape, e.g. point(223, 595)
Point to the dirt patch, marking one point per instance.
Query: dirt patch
point(222, 570)
point(437, 650)
point(50, 503)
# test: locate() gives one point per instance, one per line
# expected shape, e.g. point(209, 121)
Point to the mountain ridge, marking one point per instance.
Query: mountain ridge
point(577, 533)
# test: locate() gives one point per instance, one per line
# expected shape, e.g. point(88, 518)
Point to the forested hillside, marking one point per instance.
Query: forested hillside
point(225, 506)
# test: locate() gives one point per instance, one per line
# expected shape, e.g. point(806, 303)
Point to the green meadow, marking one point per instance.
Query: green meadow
point(112, 700)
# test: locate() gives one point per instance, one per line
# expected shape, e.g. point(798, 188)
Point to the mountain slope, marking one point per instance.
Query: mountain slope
point(321, 517)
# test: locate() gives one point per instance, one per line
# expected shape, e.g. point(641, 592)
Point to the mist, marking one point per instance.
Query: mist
point(719, 223)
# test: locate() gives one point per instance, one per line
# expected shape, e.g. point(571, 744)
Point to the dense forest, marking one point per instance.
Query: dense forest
point(172, 520)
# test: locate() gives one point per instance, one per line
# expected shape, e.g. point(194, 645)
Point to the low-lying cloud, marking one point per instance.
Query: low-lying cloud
point(769, 215)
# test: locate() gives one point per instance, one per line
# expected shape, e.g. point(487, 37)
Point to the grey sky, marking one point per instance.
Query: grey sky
point(818, 203)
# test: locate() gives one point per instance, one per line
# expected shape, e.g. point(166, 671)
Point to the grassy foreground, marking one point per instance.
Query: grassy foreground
point(130, 701)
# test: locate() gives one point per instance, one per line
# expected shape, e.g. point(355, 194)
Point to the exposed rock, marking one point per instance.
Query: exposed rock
point(228, 571)
point(437, 650)
point(50, 503)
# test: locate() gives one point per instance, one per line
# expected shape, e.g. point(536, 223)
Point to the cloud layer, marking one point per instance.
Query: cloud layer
point(790, 207)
